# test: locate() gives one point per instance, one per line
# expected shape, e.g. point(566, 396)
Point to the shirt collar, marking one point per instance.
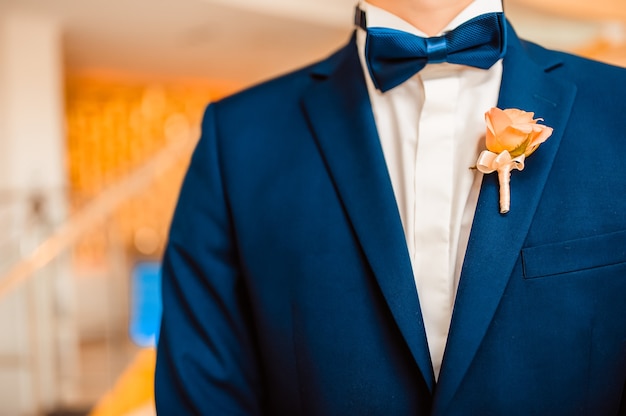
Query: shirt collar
point(377, 17)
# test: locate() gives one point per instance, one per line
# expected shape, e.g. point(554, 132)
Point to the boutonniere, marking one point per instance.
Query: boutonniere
point(512, 135)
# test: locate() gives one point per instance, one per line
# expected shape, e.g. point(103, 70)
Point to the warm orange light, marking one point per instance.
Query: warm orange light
point(113, 127)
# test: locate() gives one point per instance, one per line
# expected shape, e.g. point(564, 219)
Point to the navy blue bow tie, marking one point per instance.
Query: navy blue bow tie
point(393, 56)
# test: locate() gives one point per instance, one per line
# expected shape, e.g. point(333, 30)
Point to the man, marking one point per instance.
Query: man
point(333, 253)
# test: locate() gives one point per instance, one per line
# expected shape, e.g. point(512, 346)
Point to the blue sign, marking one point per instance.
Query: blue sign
point(145, 304)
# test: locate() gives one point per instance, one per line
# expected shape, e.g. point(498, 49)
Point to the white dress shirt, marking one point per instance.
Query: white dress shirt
point(432, 129)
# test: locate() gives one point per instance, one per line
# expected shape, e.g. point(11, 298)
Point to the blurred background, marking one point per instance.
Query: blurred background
point(100, 105)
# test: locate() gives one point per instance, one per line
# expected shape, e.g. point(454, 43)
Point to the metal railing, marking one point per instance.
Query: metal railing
point(39, 350)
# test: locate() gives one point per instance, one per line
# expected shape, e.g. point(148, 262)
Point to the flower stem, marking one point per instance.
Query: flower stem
point(504, 178)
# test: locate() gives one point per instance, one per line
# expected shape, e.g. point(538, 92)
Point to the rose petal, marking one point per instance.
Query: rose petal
point(498, 120)
point(545, 134)
point(519, 116)
point(537, 139)
point(514, 130)
point(512, 137)
point(524, 128)
point(521, 148)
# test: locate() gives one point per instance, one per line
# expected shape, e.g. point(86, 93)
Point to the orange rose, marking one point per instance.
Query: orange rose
point(515, 131)
point(512, 135)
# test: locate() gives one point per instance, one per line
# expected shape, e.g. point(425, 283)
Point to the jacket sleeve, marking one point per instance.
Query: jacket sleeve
point(206, 361)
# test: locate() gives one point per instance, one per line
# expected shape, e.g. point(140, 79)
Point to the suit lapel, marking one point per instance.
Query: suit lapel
point(496, 240)
point(338, 109)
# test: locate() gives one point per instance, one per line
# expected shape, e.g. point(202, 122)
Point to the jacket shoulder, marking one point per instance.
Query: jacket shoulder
point(576, 68)
point(598, 85)
point(283, 88)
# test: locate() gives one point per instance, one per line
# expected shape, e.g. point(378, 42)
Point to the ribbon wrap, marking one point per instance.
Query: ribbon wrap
point(502, 163)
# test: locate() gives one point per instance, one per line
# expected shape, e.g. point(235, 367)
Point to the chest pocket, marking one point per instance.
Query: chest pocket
point(574, 255)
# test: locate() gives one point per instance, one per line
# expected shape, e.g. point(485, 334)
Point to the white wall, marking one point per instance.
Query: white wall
point(31, 87)
point(35, 320)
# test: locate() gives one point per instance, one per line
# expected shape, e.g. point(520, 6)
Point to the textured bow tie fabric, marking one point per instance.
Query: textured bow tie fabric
point(393, 56)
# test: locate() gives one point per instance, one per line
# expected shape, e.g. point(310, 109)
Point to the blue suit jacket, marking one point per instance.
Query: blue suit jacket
point(287, 286)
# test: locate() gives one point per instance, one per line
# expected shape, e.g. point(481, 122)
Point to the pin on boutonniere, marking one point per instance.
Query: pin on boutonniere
point(512, 135)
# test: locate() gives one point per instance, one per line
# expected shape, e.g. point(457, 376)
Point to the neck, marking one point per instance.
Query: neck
point(429, 16)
